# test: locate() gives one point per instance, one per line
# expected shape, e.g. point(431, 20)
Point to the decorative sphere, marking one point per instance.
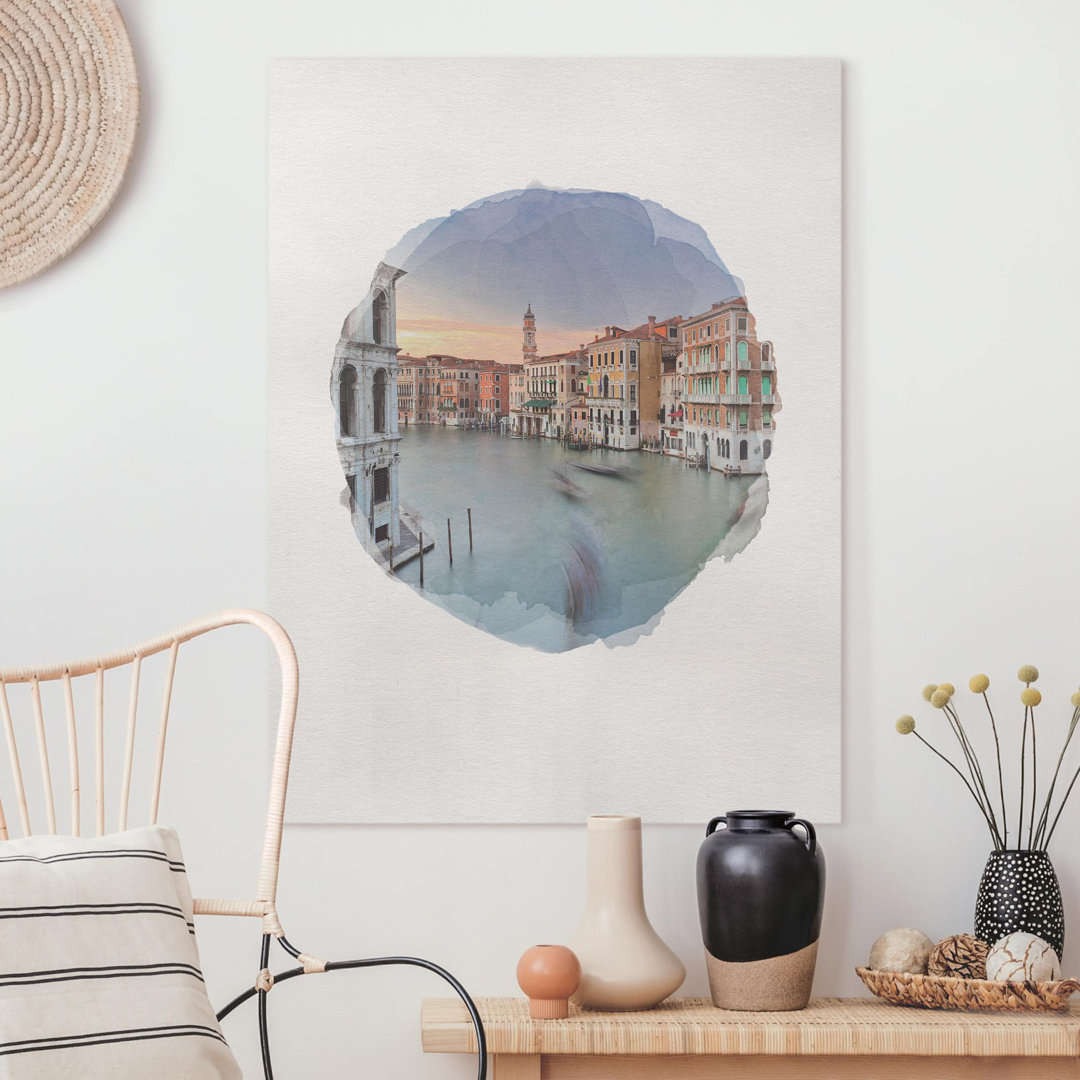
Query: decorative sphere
point(548, 974)
point(1021, 956)
point(902, 949)
point(962, 955)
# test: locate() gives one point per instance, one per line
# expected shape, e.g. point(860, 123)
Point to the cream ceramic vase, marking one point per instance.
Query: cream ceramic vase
point(624, 964)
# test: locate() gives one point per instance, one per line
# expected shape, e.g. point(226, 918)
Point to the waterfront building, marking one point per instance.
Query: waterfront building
point(671, 408)
point(729, 389)
point(409, 382)
point(458, 390)
point(363, 389)
point(540, 394)
point(494, 393)
point(624, 374)
point(517, 399)
point(569, 391)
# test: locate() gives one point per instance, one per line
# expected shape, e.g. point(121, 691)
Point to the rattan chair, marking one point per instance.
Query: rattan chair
point(262, 905)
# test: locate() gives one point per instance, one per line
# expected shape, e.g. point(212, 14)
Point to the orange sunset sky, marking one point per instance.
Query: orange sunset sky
point(423, 336)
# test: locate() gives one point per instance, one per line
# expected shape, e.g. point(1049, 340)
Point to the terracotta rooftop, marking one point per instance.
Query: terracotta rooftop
point(734, 302)
point(576, 354)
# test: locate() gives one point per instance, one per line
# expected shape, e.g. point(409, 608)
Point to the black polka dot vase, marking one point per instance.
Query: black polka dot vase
point(1019, 891)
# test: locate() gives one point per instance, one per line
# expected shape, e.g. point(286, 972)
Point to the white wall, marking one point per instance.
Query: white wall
point(132, 434)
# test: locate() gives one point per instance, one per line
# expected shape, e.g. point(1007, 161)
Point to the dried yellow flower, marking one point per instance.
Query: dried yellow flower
point(948, 688)
point(1076, 699)
point(1030, 696)
point(939, 698)
point(1028, 673)
point(928, 691)
point(978, 684)
point(906, 724)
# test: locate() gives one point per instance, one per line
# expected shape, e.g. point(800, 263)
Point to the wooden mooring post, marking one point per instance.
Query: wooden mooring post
point(421, 558)
point(449, 542)
point(469, 512)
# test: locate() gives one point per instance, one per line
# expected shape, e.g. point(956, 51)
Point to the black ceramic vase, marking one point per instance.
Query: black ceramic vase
point(761, 890)
point(1019, 891)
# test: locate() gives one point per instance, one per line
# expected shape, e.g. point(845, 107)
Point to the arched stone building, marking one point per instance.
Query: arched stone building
point(363, 388)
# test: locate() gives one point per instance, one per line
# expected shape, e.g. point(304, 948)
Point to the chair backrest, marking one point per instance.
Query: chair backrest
point(94, 668)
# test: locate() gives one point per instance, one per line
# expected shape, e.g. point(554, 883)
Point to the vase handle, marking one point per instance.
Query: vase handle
point(711, 827)
point(811, 836)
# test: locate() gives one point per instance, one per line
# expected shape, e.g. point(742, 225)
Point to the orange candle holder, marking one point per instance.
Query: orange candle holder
point(548, 975)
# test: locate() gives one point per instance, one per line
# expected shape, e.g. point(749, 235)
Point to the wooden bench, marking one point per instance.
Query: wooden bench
point(833, 1039)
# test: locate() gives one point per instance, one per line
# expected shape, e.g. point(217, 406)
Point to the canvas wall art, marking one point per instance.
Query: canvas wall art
point(555, 435)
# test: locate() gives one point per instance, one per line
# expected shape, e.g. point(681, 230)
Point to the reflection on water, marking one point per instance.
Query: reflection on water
point(563, 556)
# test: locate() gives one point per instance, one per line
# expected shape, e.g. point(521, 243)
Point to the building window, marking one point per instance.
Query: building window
point(381, 485)
point(766, 351)
point(741, 325)
point(743, 385)
point(378, 400)
point(379, 318)
point(633, 357)
point(766, 449)
point(347, 400)
point(742, 351)
point(766, 384)
point(766, 417)
point(742, 418)
point(382, 533)
point(727, 351)
point(633, 391)
point(744, 450)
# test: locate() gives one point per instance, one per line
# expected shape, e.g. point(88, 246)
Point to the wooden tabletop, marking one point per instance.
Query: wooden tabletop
point(829, 1026)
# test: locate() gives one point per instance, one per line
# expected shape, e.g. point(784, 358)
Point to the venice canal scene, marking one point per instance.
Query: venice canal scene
point(553, 499)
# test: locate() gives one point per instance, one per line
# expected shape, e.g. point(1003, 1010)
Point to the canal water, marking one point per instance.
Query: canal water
point(562, 556)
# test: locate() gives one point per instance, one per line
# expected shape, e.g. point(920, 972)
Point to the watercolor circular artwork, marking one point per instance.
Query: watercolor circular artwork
point(552, 408)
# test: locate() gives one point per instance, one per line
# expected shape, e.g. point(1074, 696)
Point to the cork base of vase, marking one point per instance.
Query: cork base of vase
point(778, 984)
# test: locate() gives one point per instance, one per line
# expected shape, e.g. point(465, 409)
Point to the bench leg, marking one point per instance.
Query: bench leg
point(515, 1066)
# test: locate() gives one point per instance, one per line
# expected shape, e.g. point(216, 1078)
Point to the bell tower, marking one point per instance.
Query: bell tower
point(528, 348)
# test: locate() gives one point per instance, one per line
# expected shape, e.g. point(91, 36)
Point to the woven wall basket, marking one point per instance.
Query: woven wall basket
point(69, 106)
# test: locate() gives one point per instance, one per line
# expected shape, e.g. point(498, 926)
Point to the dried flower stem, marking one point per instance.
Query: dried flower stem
point(972, 760)
point(978, 802)
point(1041, 839)
point(1034, 781)
point(1023, 772)
point(1068, 792)
point(1001, 781)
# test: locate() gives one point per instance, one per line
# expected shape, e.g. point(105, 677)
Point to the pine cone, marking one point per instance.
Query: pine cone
point(962, 955)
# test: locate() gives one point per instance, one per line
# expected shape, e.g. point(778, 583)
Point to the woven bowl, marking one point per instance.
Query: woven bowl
point(970, 995)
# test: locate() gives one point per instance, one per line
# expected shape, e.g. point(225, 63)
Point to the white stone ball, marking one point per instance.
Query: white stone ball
point(903, 949)
point(1023, 956)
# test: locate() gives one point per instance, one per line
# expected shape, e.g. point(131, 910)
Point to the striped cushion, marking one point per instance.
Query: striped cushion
point(99, 972)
